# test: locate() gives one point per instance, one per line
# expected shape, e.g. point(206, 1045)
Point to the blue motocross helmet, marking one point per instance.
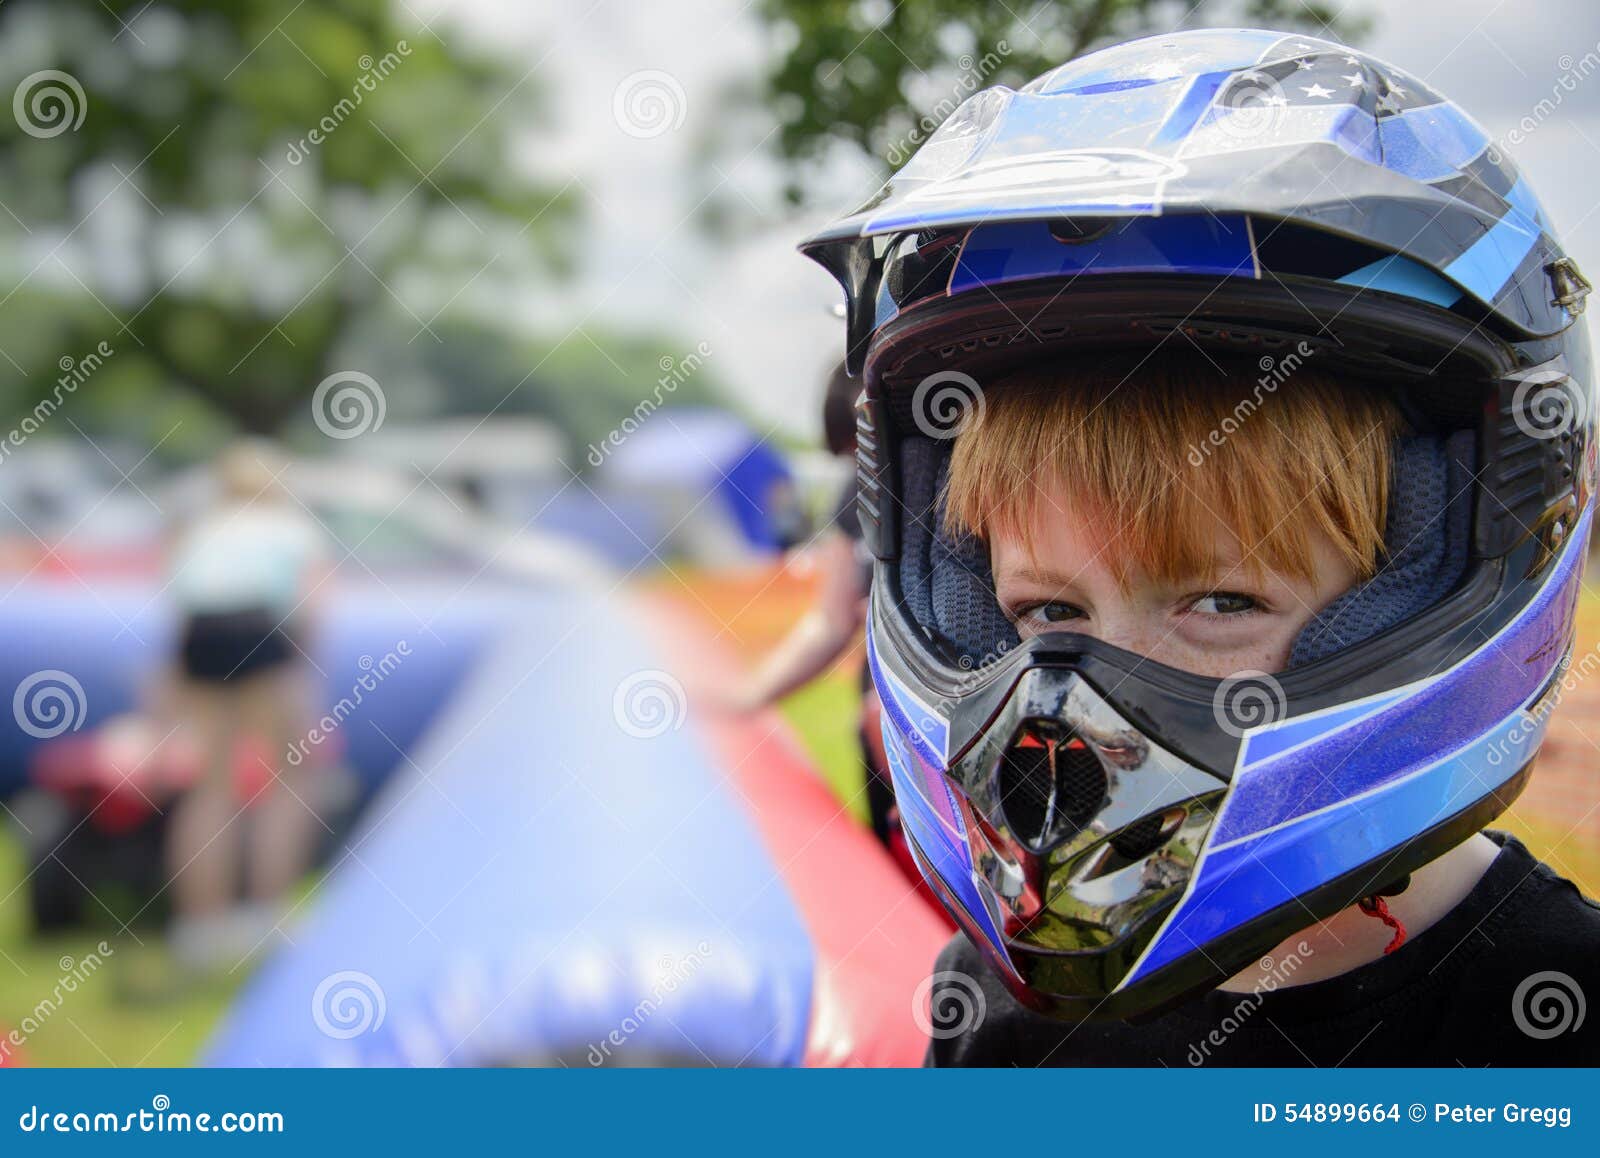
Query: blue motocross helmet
point(1114, 834)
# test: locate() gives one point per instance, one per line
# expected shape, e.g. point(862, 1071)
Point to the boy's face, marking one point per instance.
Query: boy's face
point(1058, 578)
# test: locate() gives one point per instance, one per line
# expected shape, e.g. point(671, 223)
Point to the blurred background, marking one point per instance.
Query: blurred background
point(512, 291)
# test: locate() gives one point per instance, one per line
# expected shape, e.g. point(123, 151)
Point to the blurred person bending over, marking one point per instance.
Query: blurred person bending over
point(242, 574)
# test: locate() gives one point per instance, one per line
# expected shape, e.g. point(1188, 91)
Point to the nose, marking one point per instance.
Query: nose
point(1136, 631)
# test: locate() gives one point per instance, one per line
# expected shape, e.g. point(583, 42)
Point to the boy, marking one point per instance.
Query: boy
point(1227, 463)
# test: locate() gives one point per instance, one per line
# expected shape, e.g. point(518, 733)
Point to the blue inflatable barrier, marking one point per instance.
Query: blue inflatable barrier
point(112, 640)
point(560, 874)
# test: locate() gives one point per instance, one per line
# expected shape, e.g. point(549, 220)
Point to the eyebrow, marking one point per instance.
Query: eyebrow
point(1057, 580)
point(1037, 576)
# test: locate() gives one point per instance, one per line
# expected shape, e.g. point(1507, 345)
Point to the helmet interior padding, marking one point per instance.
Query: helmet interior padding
point(1426, 537)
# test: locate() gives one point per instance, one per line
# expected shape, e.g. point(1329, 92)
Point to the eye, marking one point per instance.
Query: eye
point(1053, 612)
point(1225, 603)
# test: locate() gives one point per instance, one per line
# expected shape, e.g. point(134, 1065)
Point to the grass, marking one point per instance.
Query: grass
point(74, 1014)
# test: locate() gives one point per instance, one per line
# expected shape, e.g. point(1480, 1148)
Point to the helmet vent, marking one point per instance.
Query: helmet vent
point(1051, 786)
point(1143, 837)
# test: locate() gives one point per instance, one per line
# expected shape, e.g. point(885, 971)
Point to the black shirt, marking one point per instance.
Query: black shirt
point(1444, 998)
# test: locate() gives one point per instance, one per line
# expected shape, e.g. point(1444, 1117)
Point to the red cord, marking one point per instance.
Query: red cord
point(1377, 907)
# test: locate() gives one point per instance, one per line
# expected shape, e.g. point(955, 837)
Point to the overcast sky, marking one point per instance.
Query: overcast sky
point(761, 307)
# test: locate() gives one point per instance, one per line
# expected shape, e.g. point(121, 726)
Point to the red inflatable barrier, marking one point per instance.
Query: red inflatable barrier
point(876, 936)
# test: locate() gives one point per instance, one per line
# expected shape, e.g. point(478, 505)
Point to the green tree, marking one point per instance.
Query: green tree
point(223, 191)
point(867, 71)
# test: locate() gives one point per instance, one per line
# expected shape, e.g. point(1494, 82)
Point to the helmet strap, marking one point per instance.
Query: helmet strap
point(1375, 906)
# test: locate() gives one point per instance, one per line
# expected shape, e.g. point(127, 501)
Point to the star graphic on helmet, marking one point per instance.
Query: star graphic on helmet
point(1316, 90)
point(1355, 78)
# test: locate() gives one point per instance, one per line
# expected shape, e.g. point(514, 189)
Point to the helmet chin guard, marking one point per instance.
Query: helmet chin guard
point(1114, 834)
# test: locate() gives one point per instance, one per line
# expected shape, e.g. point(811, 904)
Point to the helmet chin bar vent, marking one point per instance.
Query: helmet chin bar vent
point(1051, 785)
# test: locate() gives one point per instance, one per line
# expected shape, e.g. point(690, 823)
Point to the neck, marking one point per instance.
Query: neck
point(1350, 938)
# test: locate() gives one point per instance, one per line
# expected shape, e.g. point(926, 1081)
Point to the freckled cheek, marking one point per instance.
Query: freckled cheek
point(1264, 650)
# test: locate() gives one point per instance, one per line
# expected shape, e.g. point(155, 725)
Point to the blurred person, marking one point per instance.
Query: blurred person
point(242, 575)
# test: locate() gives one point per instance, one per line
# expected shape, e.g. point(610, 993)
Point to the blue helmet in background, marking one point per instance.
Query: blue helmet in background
point(1117, 835)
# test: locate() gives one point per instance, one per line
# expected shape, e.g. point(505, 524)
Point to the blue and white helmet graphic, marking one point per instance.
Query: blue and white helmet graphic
point(1115, 834)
